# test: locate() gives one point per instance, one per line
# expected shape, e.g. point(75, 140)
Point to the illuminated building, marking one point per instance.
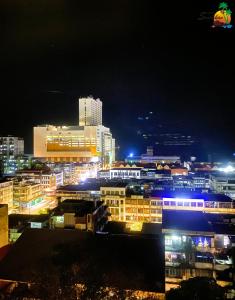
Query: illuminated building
point(27, 194)
point(90, 112)
point(205, 202)
point(84, 191)
point(15, 163)
point(179, 171)
point(83, 143)
point(68, 170)
point(123, 173)
point(47, 179)
point(130, 208)
point(3, 225)
point(11, 146)
point(6, 192)
point(223, 184)
point(85, 170)
point(194, 248)
point(150, 158)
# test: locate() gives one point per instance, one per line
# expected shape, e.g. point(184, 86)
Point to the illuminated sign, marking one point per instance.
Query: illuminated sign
point(222, 18)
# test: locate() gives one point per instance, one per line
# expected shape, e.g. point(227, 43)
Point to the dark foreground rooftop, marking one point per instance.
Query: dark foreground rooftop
point(123, 261)
point(193, 221)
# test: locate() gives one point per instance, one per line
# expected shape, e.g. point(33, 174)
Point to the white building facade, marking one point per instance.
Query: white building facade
point(11, 146)
point(90, 112)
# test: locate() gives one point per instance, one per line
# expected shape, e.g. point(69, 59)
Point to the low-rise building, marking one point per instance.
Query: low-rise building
point(3, 225)
point(84, 215)
point(223, 184)
point(83, 191)
point(27, 194)
point(85, 170)
point(47, 179)
point(125, 207)
point(6, 192)
point(192, 247)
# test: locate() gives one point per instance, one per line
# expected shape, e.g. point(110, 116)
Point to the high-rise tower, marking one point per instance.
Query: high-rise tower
point(90, 111)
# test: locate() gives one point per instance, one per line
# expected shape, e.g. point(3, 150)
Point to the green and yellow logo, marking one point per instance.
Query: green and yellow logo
point(222, 18)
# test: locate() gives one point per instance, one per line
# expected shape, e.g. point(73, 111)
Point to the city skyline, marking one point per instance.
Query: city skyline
point(129, 56)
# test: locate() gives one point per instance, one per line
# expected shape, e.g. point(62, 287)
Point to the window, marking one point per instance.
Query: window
point(168, 241)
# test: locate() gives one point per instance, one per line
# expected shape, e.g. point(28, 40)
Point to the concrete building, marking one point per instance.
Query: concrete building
point(223, 184)
point(85, 191)
point(3, 225)
point(193, 247)
point(90, 141)
point(11, 146)
point(48, 180)
point(74, 144)
point(6, 192)
point(83, 215)
point(128, 208)
point(90, 111)
point(83, 171)
point(27, 194)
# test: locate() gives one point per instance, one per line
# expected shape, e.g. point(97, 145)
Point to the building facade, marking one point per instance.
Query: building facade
point(90, 112)
point(11, 146)
point(26, 195)
point(3, 225)
point(6, 192)
point(90, 141)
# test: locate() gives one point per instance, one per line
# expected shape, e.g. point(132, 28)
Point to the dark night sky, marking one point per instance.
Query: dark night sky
point(136, 56)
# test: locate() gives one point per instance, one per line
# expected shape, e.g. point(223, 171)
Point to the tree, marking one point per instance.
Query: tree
point(223, 5)
point(197, 288)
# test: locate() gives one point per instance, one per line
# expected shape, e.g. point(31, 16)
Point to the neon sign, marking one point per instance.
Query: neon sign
point(222, 18)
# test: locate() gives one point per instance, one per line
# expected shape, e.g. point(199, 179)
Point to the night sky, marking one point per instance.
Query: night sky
point(136, 56)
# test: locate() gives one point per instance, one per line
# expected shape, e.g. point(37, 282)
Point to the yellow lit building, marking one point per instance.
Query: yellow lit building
point(131, 209)
point(90, 141)
point(74, 144)
point(3, 225)
point(6, 192)
point(27, 194)
point(85, 170)
point(137, 208)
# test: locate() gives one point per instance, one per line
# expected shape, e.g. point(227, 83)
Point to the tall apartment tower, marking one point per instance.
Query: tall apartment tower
point(90, 111)
point(11, 146)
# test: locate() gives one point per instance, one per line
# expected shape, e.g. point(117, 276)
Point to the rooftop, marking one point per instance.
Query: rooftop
point(122, 258)
point(113, 227)
point(80, 187)
point(191, 195)
point(186, 221)
point(79, 207)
